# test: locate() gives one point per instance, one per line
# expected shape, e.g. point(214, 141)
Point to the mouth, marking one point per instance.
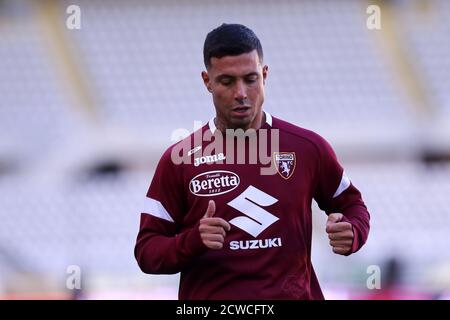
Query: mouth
point(241, 110)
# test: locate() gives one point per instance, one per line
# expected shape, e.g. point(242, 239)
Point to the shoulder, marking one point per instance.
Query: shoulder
point(183, 151)
point(319, 143)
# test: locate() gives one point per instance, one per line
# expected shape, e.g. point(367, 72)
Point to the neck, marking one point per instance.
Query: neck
point(256, 124)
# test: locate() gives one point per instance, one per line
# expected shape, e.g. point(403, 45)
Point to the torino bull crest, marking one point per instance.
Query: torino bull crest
point(285, 163)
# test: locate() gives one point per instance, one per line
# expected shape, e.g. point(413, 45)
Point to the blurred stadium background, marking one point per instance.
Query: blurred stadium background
point(85, 115)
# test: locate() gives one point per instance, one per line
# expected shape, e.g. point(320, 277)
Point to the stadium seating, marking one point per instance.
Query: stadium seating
point(142, 63)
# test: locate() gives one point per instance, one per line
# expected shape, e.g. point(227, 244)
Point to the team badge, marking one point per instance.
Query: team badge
point(285, 163)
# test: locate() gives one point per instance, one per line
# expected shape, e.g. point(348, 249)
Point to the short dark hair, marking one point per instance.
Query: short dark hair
point(230, 40)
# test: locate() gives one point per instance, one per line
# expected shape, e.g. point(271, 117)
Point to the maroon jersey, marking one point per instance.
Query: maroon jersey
point(267, 252)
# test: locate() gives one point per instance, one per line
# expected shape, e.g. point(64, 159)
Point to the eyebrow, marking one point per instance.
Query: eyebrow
point(223, 76)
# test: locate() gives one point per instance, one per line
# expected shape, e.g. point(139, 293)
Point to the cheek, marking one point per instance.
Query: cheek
point(220, 100)
point(221, 96)
point(256, 93)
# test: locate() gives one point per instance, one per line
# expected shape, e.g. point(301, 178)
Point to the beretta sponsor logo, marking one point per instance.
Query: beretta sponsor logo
point(214, 183)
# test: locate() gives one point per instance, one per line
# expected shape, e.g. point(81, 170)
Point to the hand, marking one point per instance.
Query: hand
point(340, 234)
point(213, 230)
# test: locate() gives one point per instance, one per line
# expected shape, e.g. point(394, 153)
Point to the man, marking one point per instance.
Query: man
point(233, 231)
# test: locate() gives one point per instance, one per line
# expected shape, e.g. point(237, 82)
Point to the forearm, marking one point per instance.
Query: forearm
point(158, 253)
point(359, 218)
point(351, 205)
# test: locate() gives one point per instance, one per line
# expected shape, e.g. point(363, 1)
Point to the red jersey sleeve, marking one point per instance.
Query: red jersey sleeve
point(161, 246)
point(336, 193)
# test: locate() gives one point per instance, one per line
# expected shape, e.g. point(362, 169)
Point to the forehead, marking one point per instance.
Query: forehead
point(236, 65)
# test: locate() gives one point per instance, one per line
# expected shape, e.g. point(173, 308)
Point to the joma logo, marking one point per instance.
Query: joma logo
point(209, 159)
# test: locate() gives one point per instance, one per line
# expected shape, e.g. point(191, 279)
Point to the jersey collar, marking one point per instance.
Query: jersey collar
point(213, 128)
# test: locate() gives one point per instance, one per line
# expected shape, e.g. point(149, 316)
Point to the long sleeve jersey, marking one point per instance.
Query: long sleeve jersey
point(267, 252)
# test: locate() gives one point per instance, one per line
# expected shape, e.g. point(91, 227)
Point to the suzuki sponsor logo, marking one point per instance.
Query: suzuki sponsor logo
point(209, 159)
point(255, 219)
point(214, 183)
point(255, 244)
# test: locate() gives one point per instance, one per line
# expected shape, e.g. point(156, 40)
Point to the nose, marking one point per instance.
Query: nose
point(240, 92)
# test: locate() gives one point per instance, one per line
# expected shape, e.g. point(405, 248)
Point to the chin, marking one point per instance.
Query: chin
point(241, 123)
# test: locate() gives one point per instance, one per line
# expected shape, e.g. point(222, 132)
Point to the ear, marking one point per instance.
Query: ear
point(265, 72)
point(206, 80)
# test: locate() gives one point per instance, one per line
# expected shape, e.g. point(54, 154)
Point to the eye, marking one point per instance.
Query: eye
point(251, 79)
point(226, 81)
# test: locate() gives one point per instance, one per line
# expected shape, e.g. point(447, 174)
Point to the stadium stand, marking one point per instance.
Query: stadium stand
point(72, 182)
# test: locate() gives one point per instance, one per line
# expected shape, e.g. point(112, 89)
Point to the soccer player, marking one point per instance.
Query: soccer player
point(231, 229)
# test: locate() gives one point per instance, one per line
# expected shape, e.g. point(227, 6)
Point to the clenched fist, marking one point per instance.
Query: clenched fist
point(213, 230)
point(340, 234)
